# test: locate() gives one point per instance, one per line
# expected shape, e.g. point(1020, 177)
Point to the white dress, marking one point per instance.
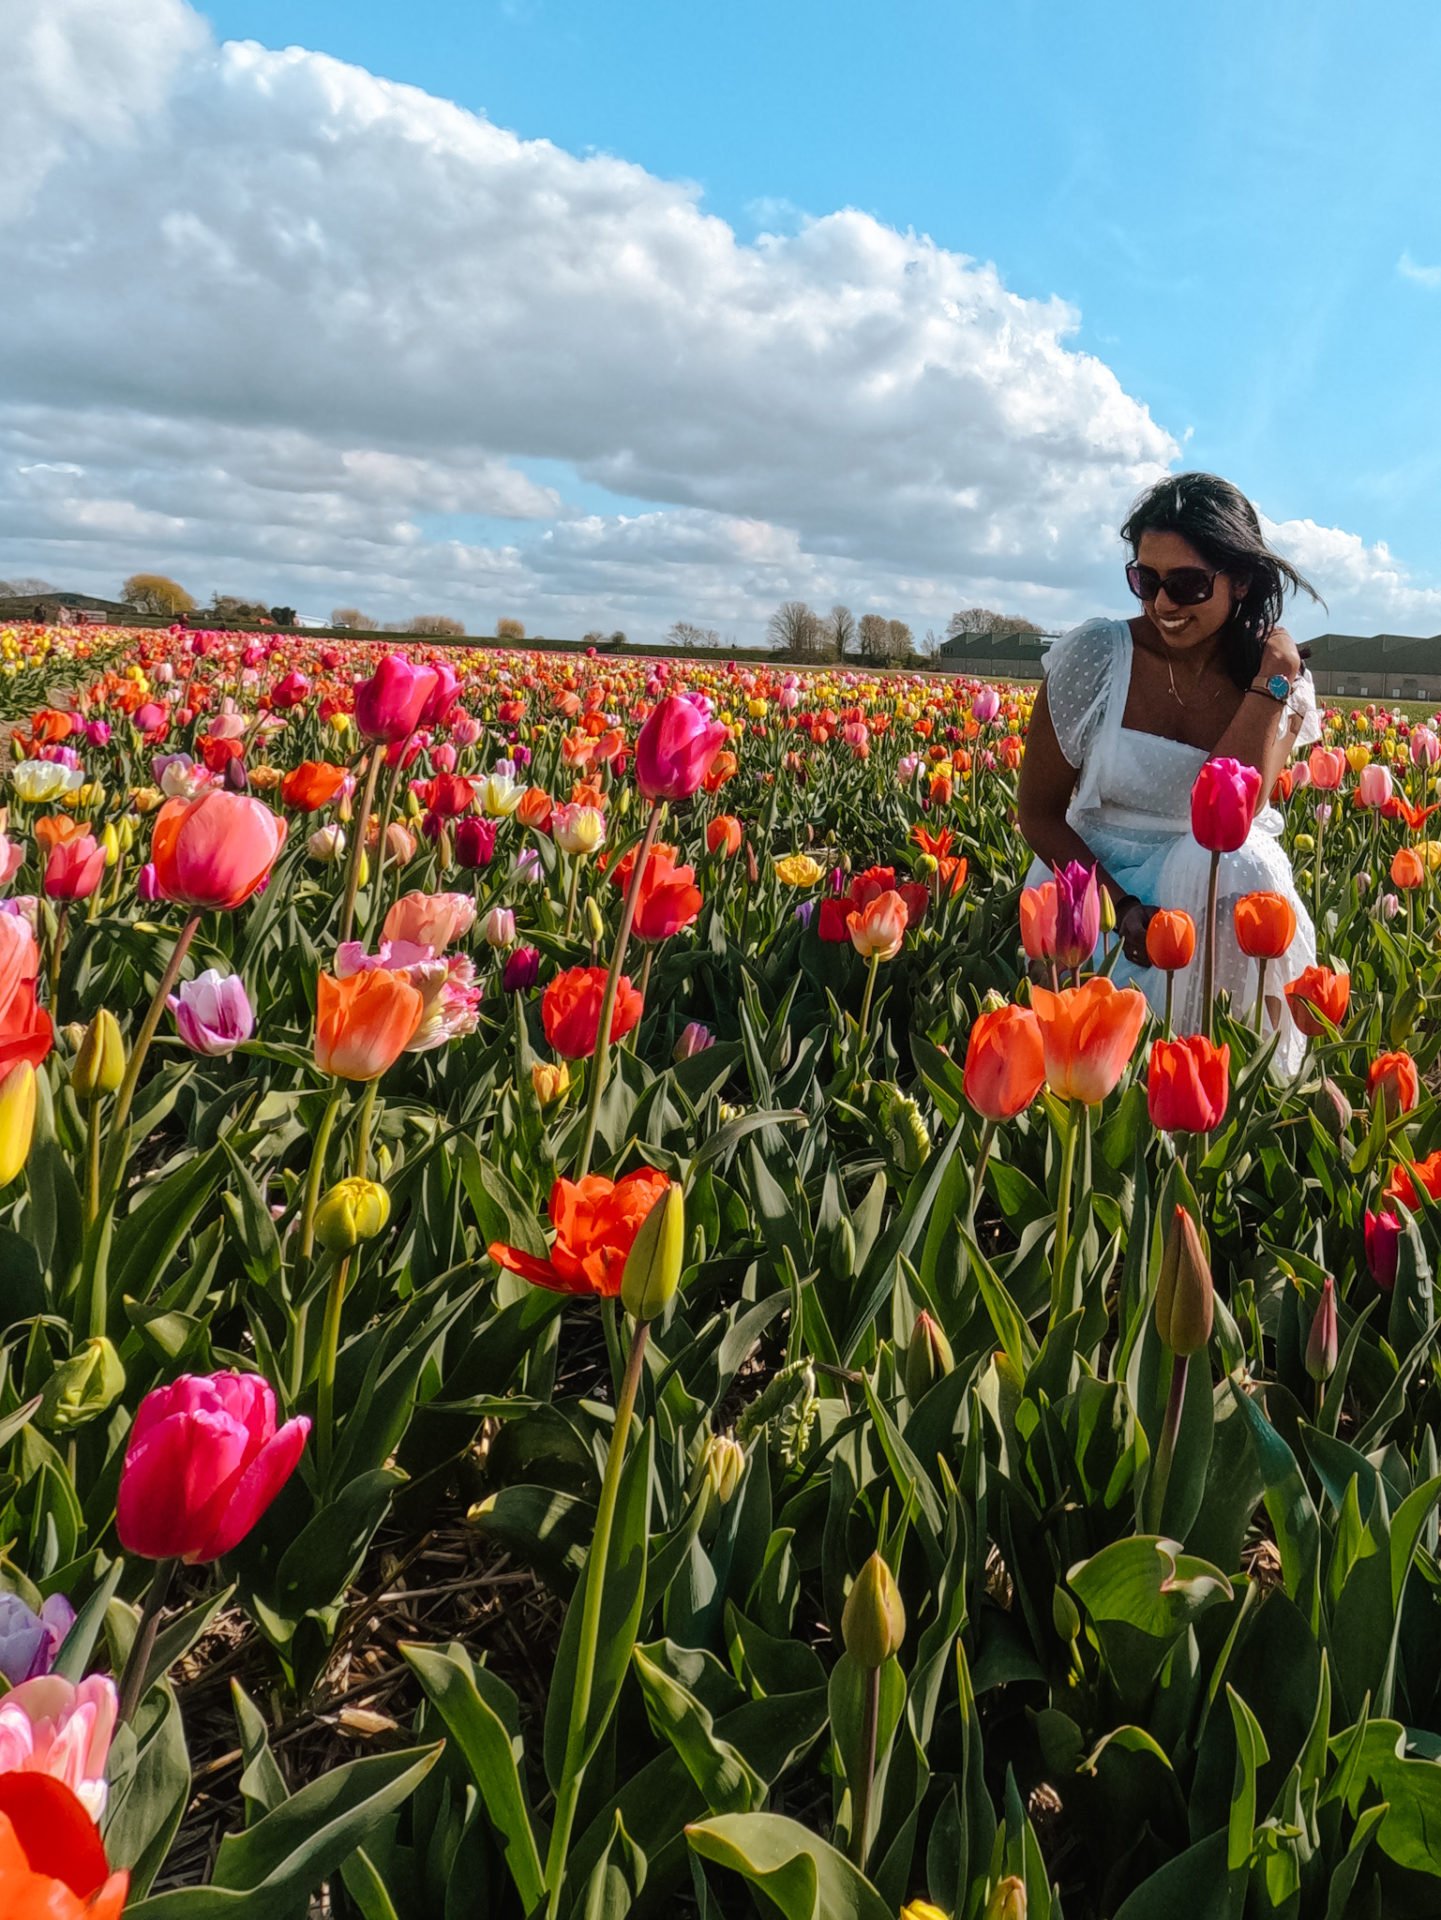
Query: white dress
point(1132, 807)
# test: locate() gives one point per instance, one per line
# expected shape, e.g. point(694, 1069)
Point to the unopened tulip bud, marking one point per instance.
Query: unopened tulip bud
point(843, 1248)
point(928, 1357)
point(993, 1001)
point(928, 864)
point(1332, 1108)
point(17, 1119)
point(1184, 1302)
point(498, 929)
point(353, 1210)
point(82, 1387)
point(1065, 1614)
point(656, 1260)
point(694, 1039)
point(722, 1465)
point(594, 921)
point(1108, 912)
point(110, 841)
point(326, 845)
point(922, 1910)
point(99, 1065)
point(873, 1623)
point(1008, 1902)
point(548, 1083)
point(1323, 1342)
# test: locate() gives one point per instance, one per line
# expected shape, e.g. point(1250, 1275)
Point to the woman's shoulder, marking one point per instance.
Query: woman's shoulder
point(1089, 648)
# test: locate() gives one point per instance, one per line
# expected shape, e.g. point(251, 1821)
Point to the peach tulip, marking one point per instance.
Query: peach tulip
point(878, 930)
point(1088, 1034)
point(365, 1022)
point(431, 920)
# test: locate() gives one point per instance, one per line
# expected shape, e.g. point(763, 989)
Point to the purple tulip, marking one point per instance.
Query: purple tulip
point(213, 1013)
point(1078, 913)
point(522, 969)
point(29, 1641)
point(694, 1039)
point(805, 912)
point(147, 885)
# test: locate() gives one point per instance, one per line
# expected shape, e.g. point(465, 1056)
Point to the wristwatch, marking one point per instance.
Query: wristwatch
point(1277, 688)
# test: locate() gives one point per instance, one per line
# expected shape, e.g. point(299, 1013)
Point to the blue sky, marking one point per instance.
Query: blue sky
point(679, 313)
point(1225, 193)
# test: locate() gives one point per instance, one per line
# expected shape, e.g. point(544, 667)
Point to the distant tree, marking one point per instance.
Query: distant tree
point(899, 644)
point(685, 636)
point(798, 632)
point(435, 623)
point(931, 645)
point(353, 618)
point(510, 629)
point(231, 606)
point(154, 593)
point(618, 640)
point(842, 627)
point(595, 638)
point(982, 620)
point(874, 634)
point(283, 616)
point(18, 589)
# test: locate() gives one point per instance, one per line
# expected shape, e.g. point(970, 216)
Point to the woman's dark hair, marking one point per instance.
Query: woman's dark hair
point(1221, 524)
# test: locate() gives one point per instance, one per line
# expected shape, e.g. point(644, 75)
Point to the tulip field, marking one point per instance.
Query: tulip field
point(603, 1319)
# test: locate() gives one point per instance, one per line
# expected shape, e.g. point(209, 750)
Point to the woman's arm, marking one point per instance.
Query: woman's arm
point(1047, 782)
point(1264, 730)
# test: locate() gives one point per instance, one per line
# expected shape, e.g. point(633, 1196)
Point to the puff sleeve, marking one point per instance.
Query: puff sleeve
point(1079, 675)
point(1301, 706)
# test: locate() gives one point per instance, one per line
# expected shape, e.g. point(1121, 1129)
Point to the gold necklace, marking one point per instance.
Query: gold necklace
point(1170, 675)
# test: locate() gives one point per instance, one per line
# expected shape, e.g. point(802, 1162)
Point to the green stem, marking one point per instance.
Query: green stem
point(1316, 877)
point(1170, 998)
point(125, 1097)
point(600, 1059)
point(1260, 993)
point(571, 892)
point(361, 1166)
point(1063, 1214)
point(1208, 978)
point(978, 1178)
point(358, 822)
point(871, 1713)
point(870, 990)
point(596, 1566)
point(1166, 1451)
point(329, 1355)
point(315, 1178)
point(57, 947)
point(92, 1160)
point(377, 896)
point(133, 1680)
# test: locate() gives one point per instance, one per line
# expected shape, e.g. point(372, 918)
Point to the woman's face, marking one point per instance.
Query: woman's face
point(1183, 627)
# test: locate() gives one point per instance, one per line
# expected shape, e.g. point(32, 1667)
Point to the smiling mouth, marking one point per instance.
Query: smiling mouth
point(1174, 624)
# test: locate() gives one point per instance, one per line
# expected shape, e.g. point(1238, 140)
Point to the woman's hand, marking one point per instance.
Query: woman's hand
point(1131, 928)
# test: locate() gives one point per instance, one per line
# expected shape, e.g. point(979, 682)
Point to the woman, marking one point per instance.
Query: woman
point(1131, 709)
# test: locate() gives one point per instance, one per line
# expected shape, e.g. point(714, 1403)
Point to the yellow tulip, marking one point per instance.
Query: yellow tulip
point(17, 1119)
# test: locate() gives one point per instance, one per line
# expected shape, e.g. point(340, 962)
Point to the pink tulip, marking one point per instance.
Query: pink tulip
point(1373, 789)
point(986, 705)
point(203, 1462)
point(675, 749)
point(51, 1726)
point(289, 691)
point(441, 697)
point(1383, 1240)
point(213, 1013)
point(12, 859)
point(74, 868)
point(1300, 776)
point(1223, 804)
point(431, 920)
point(1425, 747)
point(214, 851)
point(1327, 766)
point(389, 705)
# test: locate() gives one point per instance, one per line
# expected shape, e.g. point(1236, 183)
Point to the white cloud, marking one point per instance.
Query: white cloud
point(1423, 276)
point(289, 328)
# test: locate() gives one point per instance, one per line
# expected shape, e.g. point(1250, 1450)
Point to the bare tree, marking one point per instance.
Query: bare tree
point(982, 620)
point(509, 629)
point(353, 618)
point(155, 593)
point(842, 626)
point(899, 644)
point(874, 634)
point(434, 623)
point(19, 589)
point(798, 632)
point(686, 637)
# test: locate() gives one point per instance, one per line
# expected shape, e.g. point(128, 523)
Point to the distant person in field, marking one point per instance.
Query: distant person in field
point(1131, 709)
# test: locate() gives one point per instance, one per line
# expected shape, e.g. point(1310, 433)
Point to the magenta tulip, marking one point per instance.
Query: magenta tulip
point(441, 697)
point(203, 1462)
point(388, 705)
point(1223, 804)
point(676, 747)
point(213, 1015)
point(475, 841)
point(1078, 913)
point(74, 868)
point(1383, 1240)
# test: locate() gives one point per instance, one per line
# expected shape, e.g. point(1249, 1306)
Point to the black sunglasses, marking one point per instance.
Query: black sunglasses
point(1185, 587)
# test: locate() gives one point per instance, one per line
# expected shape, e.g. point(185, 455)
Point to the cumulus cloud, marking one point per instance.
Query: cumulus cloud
point(295, 329)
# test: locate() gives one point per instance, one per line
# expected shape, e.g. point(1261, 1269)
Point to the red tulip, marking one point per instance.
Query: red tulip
point(1223, 804)
point(1393, 1080)
point(1317, 994)
point(203, 1462)
point(570, 1011)
point(668, 899)
point(1188, 1084)
point(1005, 1062)
point(675, 749)
point(52, 1861)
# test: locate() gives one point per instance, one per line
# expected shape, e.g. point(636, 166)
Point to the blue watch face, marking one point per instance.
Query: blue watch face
point(1278, 686)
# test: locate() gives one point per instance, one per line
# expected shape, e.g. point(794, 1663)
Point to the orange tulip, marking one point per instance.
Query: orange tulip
point(570, 1010)
point(724, 835)
point(667, 901)
point(1403, 1182)
point(216, 850)
point(535, 809)
point(1318, 992)
point(1188, 1084)
point(596, 1221)
point(878, 930)
point(1005, 1062)
point(1265, 925)
point(1089, 1034)
point(1408, 869)
point(1394, 1082)
point(59, 829)
point(1170, 939)
point(1038, 921)
point(365, 1022)
point(52, 1862)
point(312, 785)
